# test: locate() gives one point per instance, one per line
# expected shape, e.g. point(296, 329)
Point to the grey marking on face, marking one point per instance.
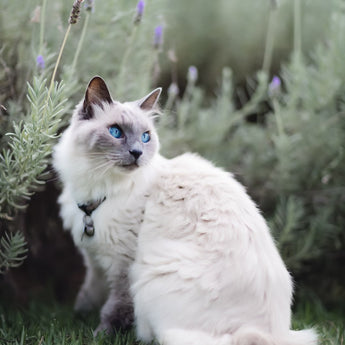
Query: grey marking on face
point(129, 151)
point(125, 147)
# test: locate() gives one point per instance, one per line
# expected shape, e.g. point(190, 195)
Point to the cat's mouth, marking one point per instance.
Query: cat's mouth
point(130, 166)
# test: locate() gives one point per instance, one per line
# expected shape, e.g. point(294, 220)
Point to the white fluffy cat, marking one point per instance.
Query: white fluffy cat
point(206, 270)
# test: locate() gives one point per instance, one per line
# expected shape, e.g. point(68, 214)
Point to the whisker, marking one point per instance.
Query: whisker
point(102, 162)
point(101, 166)
point(107, 169)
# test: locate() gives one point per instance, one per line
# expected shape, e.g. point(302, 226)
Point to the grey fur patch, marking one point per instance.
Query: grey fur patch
point(104, 150)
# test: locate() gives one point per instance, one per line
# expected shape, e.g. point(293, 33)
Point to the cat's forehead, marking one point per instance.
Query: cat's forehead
point(126, 114)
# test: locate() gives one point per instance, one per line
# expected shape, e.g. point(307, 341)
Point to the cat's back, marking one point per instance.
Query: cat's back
point(195, 207)
point(197, 204)
point(202, 237)
point(192, 177)
point(193, 190)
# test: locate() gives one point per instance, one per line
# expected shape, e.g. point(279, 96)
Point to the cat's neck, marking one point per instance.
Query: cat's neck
point(86, 184)
point(93, 186)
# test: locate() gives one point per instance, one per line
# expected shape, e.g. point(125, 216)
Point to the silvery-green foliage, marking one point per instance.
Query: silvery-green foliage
point(12, 251)
point(192, 125)
point(31, 124)
point(23, 163)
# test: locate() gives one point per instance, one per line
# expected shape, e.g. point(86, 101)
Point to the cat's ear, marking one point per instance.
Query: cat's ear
point(96, 93)
point(150, 100)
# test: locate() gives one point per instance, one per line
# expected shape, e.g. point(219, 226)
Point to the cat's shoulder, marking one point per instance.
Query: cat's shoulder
point(197, 173)
point(194, 164)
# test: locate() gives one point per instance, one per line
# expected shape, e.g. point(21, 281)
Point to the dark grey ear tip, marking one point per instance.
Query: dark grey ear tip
point(95, 78)
point(96, 93)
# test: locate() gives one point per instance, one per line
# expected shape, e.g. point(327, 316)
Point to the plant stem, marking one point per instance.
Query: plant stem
point(58, 60)
point(297, 28)
point(81, 40)
point(278, 118)
point(169, 103)
point(122, 70)
point(269, 40)
point(42, 23)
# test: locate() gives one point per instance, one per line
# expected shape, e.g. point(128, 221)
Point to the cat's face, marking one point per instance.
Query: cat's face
point(115, 135)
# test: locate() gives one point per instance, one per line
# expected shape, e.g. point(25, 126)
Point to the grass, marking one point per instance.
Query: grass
point(51, 323)
point(329, 325)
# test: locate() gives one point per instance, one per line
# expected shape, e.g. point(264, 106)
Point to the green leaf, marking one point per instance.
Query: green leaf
point(12, 251)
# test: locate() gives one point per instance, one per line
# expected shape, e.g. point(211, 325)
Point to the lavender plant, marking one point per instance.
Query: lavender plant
point(24, 162)
point(24, 159)
point(26, 146)
point(12, 251)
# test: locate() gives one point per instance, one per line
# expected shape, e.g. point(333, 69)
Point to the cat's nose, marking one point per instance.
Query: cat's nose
point(136, 153)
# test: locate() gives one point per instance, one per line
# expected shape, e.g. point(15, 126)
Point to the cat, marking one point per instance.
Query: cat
point(177, 244)
point(106, 160)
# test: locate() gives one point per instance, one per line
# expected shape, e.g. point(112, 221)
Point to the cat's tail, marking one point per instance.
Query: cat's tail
point(303, 337)
point(244, 336)
point(251, 336)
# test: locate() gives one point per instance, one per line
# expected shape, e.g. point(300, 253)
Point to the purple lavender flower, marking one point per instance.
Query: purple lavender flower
point(192, 74)
point(89, 5)
point(173, 89)
point(140, 11)
point(274, 86)
point(158, 37)
point(40, 62)
point(74, 16)
point(140, 7)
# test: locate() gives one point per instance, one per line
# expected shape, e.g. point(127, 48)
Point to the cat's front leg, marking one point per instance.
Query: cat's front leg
point(94, 290)
point(117, 312)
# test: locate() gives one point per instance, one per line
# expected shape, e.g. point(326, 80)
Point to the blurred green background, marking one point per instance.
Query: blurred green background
point(258, 87)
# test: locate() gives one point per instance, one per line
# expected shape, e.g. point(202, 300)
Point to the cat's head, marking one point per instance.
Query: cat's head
point(114, 135)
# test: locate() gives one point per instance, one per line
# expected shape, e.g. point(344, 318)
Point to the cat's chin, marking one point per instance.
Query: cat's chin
point(129, 167)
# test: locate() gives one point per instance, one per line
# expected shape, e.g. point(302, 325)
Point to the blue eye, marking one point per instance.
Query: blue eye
point(145, 137)
point(115, 131)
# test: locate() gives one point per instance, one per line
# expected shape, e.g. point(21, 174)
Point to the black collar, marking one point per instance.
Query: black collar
point(88, 208)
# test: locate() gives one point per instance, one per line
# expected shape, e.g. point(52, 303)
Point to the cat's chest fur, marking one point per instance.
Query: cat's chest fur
point(116, 220)
point(116, 224)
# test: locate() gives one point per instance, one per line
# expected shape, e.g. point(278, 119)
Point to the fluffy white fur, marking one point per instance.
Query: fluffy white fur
point(206, 270)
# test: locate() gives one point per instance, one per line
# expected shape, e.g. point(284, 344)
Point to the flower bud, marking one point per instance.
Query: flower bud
point(40, 64)
point(158, 37)
point(140, 11)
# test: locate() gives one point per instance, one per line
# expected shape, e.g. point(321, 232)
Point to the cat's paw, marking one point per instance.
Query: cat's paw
point(115, 325)
point(85, 303)
point(121, 319)
point(104, 327)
